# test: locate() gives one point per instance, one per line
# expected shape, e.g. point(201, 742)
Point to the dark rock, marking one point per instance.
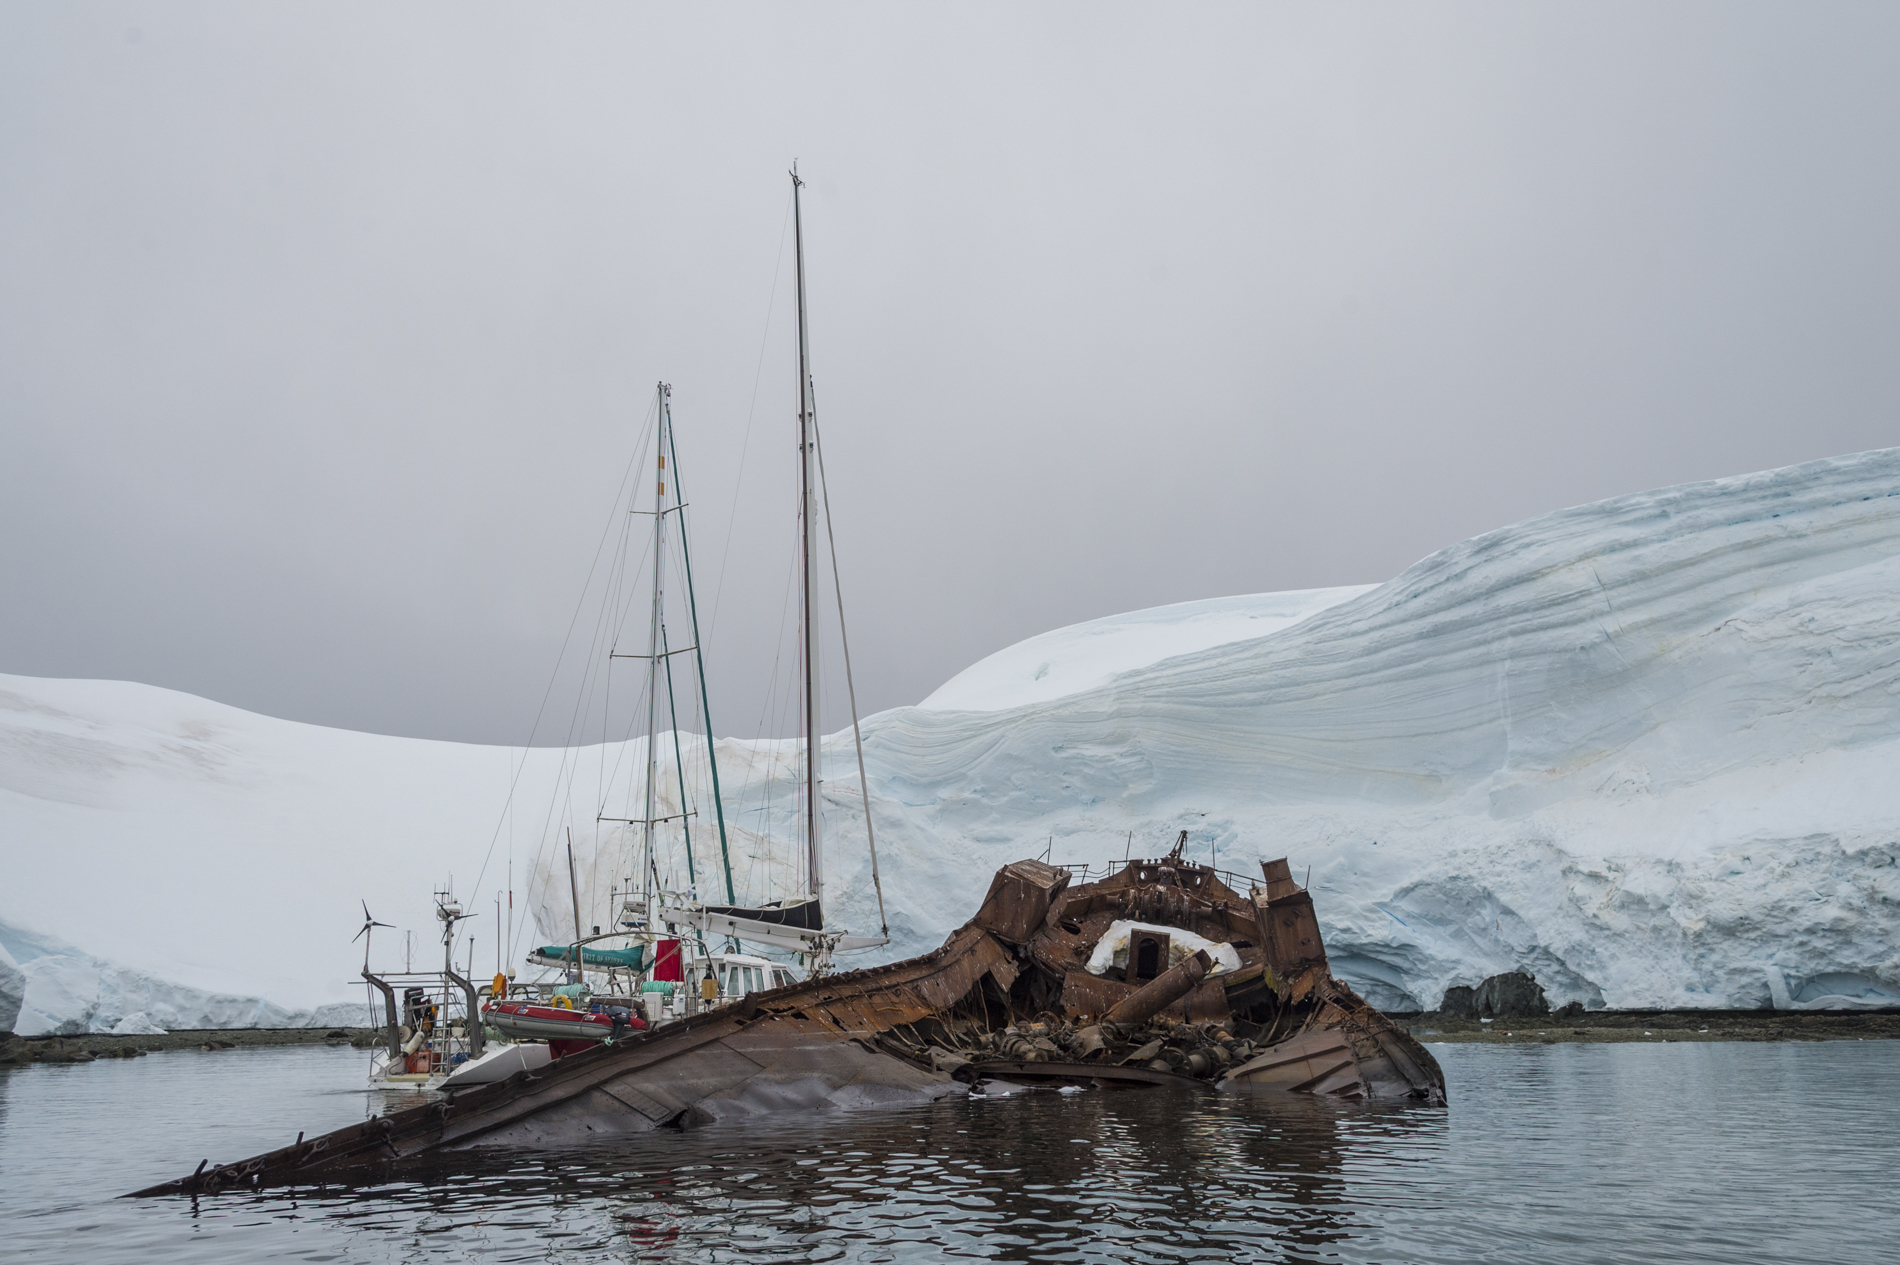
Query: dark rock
point(1570, 1010)
point(1460, 1002)
point(1514, 995)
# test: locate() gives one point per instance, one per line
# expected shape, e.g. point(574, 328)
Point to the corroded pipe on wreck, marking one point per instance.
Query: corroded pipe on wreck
point(1162, 991)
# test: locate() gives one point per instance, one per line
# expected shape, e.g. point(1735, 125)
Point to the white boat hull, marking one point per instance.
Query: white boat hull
point(499, 1064)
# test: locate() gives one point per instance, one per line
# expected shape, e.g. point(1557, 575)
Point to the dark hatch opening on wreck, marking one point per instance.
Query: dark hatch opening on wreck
point(1008, 996)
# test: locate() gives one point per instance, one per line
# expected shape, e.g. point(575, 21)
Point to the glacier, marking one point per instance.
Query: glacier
point(1642, 748)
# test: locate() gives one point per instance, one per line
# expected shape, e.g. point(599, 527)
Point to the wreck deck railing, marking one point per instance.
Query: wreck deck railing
point(1084, 873)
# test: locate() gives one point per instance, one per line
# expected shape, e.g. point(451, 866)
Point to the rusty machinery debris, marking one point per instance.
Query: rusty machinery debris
point(1010, 996)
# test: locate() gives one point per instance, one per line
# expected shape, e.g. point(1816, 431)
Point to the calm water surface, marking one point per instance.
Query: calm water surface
point(1591, 1153)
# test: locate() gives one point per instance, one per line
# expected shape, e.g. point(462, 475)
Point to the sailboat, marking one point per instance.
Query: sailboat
point(666, 943)
point(429, 1035)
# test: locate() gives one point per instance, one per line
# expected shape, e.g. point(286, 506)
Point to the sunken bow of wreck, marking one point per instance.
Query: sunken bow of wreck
point(1160, 974)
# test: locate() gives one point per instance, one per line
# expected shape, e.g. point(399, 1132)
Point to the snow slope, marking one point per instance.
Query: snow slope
point(1083, 656)
point(215, 856)
point(1644, 748)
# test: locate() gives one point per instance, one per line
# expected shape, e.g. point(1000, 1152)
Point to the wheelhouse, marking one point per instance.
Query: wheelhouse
point(742, 973)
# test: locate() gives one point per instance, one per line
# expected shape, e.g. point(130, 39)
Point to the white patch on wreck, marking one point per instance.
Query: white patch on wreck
point(1111, 951)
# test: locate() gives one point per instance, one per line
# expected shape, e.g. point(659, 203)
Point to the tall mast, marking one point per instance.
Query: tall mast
point(808, 564)
point(653, 657)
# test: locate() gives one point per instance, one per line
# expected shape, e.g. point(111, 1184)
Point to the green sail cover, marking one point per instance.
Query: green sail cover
point(628, 959)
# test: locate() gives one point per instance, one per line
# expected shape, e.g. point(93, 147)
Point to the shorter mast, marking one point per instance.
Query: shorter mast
point(648, 864)
point(665, 445)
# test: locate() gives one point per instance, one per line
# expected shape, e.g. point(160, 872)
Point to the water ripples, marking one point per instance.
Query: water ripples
point(1731, 1153)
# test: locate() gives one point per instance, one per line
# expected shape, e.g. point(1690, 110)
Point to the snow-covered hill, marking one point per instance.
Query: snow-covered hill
point(1083, 656)
point(1645, 748)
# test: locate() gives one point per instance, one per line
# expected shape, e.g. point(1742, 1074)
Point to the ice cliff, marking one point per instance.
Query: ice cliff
point(12, 990)
point(1643, 748)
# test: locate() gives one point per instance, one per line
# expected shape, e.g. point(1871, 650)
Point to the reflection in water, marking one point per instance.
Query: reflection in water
point(1113, 1175)
point(1554, 1154)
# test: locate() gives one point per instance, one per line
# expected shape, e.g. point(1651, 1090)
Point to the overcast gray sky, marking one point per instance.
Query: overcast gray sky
point(326, 331)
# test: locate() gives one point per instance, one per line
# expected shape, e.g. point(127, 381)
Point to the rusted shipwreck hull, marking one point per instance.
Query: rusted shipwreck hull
point(1007, 997)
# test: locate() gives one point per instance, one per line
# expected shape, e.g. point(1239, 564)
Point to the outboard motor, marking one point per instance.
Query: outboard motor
point(418, 1012)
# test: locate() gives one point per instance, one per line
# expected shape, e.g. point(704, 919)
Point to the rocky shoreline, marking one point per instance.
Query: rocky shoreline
point(1592, 1026)
point(17, 1051)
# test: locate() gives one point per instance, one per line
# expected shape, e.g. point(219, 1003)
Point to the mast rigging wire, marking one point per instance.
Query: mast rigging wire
point(745, 445)
point(579, 604)
point(864, 786)
point(699, 657)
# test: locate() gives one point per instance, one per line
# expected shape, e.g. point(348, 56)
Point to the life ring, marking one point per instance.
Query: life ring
point(564, 1003)
point(500, 987)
